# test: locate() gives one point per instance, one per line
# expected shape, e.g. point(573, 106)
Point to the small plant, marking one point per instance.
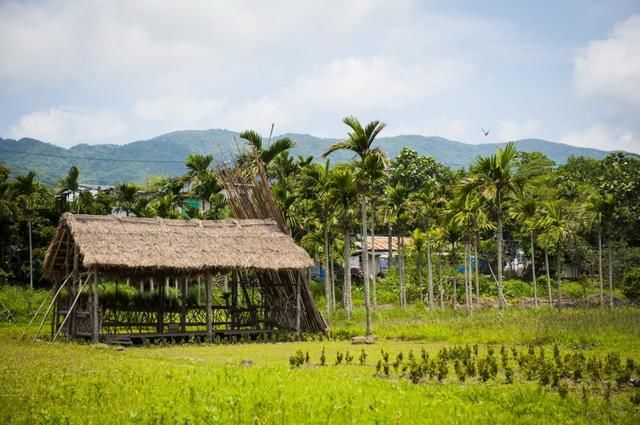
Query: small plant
point(307, 358)
point(339, 357)
point(475, 349)
point(635, 398)
point(563, 389)
point(297, 360)
point(348, 358)
point(362, 359)
point(508, 375)
point(323, 358)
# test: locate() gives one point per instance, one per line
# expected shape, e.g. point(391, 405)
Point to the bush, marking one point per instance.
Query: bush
point(631, 284)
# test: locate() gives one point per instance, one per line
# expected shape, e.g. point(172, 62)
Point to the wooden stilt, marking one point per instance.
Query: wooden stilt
point(74, 288)
point(207, 283)
point(183, 306)
point(151, 285)
point(96, 318)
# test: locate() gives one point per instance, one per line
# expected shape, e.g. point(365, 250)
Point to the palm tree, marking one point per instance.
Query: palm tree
point(125, 197)
point(396, 209)
point(314, 184)
point(69, 185)
point(600, 211)
point(27, 192)
point(467, 213)
point(265, 153)
point(424, 205)
point(371, 160)
point(494, 178)
point(343, 191)
point(202, 180)
point(419, 240)
point(557, 229)
point(524, 212)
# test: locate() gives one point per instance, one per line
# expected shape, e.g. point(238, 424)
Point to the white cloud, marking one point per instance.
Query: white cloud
point(179, 111)
point(152, 42)
point(513, 130)
point(65, 126)
point(603, 137)
point(610, 68)
point(354, 85)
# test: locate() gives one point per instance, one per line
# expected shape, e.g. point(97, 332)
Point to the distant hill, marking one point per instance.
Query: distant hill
point(165, 154)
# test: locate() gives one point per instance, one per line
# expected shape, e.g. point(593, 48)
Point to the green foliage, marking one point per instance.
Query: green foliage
point(631, 284)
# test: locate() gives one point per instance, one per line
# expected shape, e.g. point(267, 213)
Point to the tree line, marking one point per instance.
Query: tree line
point(449, 222)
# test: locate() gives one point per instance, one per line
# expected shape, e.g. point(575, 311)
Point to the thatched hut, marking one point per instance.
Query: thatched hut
point(246, 268)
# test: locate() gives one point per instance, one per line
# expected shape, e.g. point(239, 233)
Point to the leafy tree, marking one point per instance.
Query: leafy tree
point(343, 190)
point(371, 161)
point(494, 178)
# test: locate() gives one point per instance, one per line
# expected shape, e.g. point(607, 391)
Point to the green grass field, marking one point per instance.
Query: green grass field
point(206, 383)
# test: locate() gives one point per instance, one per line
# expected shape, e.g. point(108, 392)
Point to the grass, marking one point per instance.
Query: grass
point(43, 383)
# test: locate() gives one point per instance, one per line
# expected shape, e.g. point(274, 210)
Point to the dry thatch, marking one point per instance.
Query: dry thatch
point(151, 246)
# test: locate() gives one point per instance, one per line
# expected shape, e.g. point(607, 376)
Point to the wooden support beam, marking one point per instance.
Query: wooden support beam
point(73, 290)
point(183, 306)
point(208, 282)
point(96, 317)
point(151, 285)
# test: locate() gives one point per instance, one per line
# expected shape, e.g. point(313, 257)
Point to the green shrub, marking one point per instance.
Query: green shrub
point(631, 284)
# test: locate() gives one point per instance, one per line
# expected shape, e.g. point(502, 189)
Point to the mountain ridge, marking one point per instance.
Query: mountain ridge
point(165, 154)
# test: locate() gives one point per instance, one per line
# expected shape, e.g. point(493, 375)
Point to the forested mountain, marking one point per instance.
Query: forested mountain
point(165, 154)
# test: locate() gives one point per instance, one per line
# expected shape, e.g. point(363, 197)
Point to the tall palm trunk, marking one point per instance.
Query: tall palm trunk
point(559, 278)
point(609, 248)
point(327, 278)
point(467, 277)
point(365, 264)
point(533, 271)
point(499, 248)
point(389, 246)
point(30, 255)
point(475, 249)
point(546, 265)
point(374, 293)
point(440, 279)
point(419, 267)
point(454, 298)
point(600, 277)
point(429, 271)
point(333, 280)
point(403, 290)
point(347, 272)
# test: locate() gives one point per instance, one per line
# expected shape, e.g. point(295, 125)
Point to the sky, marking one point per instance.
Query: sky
point(101, 71)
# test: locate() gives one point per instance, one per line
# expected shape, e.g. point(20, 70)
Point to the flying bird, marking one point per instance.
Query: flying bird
point(485, 132)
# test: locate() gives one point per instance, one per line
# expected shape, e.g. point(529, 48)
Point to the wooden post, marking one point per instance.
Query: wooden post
point(151, 285)
point(207, 283)
point(74, 287)
point(298, 312)
point(183, 306)
point(199, 290)
point(54, 318)
point(141, 284)
point(96, 318)
point(162, 289)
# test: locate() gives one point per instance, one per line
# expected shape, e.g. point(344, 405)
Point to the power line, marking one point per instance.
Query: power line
point(89, 158)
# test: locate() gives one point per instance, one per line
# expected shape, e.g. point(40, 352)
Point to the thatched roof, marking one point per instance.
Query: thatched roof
point(154, 245)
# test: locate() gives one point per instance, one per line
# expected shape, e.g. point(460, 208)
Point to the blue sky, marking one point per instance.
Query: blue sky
point(118, 71)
